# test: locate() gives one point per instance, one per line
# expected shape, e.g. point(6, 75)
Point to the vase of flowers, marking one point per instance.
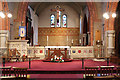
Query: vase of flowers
point(57, 59)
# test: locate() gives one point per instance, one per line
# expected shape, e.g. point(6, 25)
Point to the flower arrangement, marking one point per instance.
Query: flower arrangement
point(57, 59)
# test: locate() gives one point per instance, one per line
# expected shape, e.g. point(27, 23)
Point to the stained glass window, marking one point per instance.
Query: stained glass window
point(64, 20)
point(58, 18)
point(52, 20)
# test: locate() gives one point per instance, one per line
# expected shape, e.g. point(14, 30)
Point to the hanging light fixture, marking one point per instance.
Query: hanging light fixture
point(3, 14)
point(113, 15)
point(9, 15)
point(107, 15)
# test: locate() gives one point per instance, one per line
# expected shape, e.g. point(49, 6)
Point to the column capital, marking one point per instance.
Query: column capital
point(4, 33)
point(110, 33)
point(88, 32)
point(84, 35)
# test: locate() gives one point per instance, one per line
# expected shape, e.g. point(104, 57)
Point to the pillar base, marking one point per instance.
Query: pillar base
point(110, 51)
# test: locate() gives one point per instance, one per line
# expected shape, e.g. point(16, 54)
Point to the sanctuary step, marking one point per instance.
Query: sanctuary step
point(67, 60)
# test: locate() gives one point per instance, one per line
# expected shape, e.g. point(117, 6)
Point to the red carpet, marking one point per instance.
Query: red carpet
point(56, 75)
point(74, 65)
point(51, 66)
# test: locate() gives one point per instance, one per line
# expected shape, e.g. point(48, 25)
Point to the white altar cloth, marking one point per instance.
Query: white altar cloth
point(57, 46)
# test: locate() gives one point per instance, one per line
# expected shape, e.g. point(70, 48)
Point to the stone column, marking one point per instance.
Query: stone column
point(110, 47)
point(84, 36)
point(4, 34)
point(3, 42)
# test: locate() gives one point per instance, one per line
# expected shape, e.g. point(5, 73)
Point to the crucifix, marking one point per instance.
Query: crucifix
point(58, 10)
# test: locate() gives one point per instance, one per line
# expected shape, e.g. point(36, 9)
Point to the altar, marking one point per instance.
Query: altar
point(74, 52)
point(54, 52)
point(57, 47)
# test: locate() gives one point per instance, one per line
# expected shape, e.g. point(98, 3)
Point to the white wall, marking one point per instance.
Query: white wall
point(72, 16)
point(34, 18)
point(13, 8)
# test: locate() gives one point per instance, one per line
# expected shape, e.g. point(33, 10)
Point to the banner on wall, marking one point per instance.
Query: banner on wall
point(22, 31)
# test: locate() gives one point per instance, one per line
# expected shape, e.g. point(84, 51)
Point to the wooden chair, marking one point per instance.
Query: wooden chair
point(91, 71)
point(14, 54)
point(6, 73)
point(20, 73)
point(118, 70)
point(106, 70)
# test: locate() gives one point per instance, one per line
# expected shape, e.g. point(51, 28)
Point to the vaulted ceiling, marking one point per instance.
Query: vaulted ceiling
point(39, 6)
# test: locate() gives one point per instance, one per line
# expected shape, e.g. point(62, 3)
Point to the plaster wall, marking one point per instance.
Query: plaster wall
point(72, 16)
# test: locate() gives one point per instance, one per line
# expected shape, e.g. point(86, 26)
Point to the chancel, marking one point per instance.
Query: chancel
point(60, 40)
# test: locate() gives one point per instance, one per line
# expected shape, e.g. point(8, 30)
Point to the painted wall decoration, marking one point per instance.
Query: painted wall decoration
point(82, 52)
point(58, 36)
point(90, 51)
point(36, 51)
point(79, 51)
point(41, 51)
point(85, 51)
point(22, 31)
point(73, 51)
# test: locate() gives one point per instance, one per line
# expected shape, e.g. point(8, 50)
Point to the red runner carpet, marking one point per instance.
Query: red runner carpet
point(74, 65)
point(51, 66)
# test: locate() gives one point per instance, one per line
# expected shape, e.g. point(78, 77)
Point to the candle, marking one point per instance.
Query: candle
point(55, 56)
point(47, 38)
point(67, 38)
point(72, 40)
point(80, 41)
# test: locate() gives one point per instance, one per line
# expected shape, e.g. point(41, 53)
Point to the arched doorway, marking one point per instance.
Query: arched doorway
point(29, 28)
point(85, 29)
